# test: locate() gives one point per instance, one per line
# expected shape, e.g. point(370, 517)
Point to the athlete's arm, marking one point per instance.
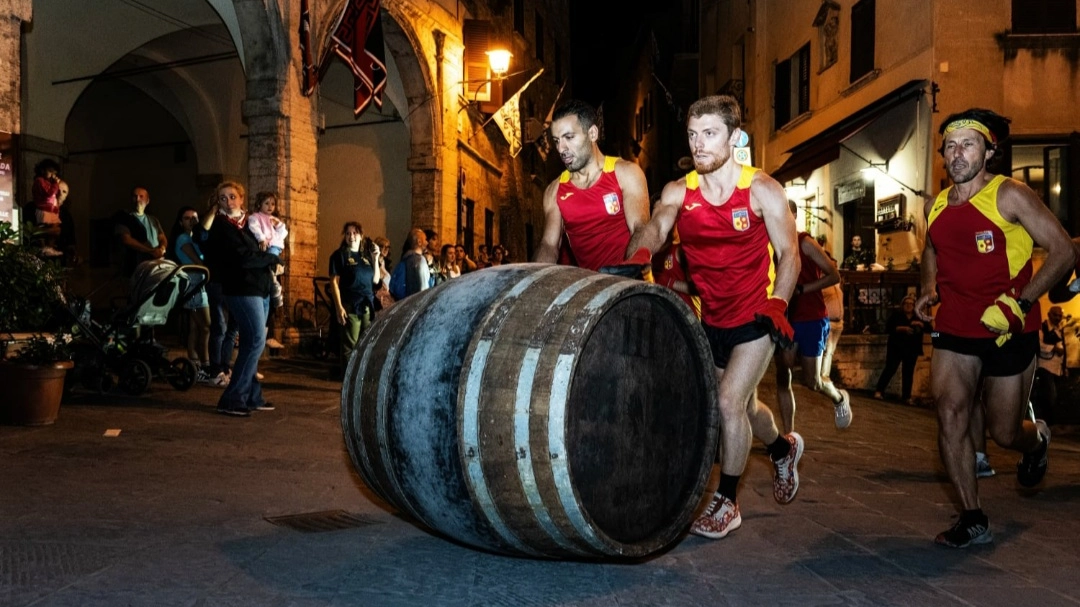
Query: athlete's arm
point(548, 249)
point(830, 275)
point(1017, 203)
point(768, 199)
point(928, 267)
point(635, 200)
point(654, 234)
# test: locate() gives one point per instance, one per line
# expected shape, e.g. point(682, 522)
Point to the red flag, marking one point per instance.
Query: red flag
point(358, 40)
point(307, 77)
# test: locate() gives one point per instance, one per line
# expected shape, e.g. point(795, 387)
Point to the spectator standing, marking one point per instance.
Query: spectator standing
point(858, 258)
point(448, 266)
point(465, 264)
point(246, 285)
point(186, 251)
point(353, 273)
point(416, 269)
point(903, 349)
point(140, 234)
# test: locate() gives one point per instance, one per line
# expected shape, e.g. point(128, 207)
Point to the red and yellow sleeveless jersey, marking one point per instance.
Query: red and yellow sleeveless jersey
point(809, 306)
point(593, 219)
point(667, 270)
point(980, 255)
point(728, 253)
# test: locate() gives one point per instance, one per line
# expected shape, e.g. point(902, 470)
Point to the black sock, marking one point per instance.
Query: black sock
point(728, 486)
point(973, 516)
point(779, 448)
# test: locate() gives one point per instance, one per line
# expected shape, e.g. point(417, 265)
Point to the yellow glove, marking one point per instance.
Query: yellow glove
point(1004, 316)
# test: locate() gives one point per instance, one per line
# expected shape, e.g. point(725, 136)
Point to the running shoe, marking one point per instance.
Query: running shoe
point(965, 533)
point(234, 412)
point(1032, 466)
point(983, 469)
point(274, 344)
point(786, 476)
point(265, 407)
point(843, 410)
point(203, 377)
point(719, 519)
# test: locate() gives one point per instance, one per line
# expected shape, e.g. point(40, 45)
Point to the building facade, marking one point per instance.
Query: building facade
point(179, 95)
point(843, 100)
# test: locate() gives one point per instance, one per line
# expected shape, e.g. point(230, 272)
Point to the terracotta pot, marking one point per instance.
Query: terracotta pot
point(33, 392)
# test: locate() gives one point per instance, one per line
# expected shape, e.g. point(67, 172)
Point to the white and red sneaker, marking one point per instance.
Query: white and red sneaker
point(786, 476)
point(719, 519)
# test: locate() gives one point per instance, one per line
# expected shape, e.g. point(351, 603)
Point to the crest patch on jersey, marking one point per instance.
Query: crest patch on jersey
point(740, 219)
point(611, 203)
point(984, 241)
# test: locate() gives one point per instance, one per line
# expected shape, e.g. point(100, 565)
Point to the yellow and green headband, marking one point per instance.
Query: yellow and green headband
point(970, 123)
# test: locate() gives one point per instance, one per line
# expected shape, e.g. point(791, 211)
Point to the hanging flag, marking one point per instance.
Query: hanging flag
point(509, 118)
point(307, 76)
point(554, 104)
point(358, 39)
point(543, 142)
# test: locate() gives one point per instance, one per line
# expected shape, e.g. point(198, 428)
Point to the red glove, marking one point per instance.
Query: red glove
point(635, 267)
point(774, 316)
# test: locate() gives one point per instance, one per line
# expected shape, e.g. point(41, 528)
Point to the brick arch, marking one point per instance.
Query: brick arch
point(413, 37)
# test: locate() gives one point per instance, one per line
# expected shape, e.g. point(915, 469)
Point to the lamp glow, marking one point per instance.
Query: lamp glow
point(499, 59)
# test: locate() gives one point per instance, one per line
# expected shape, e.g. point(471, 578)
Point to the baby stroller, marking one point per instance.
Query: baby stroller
point(112, 354)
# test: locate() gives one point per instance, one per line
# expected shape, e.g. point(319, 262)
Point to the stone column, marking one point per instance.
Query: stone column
point(12, 15)
point(282, 147)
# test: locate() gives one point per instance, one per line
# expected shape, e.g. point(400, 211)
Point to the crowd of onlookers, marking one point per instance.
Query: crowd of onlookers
point(241, 244)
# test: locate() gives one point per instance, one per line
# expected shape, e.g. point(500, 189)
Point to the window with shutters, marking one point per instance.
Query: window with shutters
point(862, 39)
point(479, 85)
point(1043, 16)
point(791, 94)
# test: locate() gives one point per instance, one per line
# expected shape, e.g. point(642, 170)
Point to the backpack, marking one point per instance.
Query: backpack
point(397, 281)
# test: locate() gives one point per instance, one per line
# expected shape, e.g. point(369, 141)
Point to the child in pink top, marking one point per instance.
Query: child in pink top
point(270, 231)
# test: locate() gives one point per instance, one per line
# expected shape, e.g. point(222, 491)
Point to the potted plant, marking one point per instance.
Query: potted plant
point(34, 380)
point(34, 362)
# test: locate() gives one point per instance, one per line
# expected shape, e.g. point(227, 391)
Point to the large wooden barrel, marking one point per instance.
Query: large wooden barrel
point(537, 410)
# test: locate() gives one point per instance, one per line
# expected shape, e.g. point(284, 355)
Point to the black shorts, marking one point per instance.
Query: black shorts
point(723, 341)
point(1009, 359)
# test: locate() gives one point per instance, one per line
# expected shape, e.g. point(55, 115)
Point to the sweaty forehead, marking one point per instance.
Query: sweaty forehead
point(566, 125)
point(963, 135)
point(705, 122)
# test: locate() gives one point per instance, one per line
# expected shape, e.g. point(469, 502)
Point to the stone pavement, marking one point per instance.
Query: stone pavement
point(171, 512)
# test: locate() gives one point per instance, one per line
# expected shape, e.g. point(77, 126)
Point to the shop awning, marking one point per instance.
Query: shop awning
point(825, 147)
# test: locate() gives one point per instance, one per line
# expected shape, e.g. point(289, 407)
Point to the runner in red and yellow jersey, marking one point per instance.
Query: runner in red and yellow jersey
point(977, 265)
point(810, 319)
point(599, 201)
point(739, 242)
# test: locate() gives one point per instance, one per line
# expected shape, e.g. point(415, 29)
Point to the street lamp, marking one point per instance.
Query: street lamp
point(499, 59)
point(499, 66)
